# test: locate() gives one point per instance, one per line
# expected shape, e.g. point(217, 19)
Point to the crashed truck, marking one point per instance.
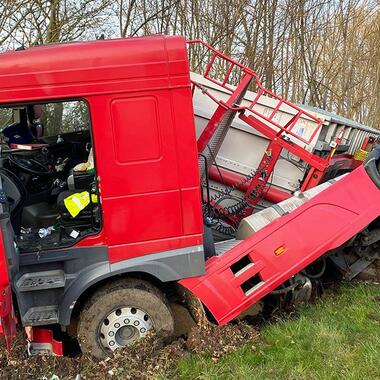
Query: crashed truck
point(132, 191)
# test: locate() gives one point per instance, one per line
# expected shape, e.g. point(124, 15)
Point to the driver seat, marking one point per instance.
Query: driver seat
point(42, 214)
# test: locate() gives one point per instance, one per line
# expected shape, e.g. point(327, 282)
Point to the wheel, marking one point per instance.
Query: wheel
point(119, 314)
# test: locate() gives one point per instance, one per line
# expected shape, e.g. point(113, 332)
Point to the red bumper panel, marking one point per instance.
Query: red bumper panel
point(44, 344)
point(259, 264)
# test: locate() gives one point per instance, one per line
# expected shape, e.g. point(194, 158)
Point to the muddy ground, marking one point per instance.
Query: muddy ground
point(144, 360)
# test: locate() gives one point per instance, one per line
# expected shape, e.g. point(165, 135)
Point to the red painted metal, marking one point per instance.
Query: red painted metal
point(220, 113)
point(150, 178)
point(365, 142)
point(307, 233)
point(318, 165)
point(238, 181)
point(45, 336)
point(313, 160)
point(312, 179)
point(258, 184)
point(278, 134)
point(7, 317)
point(247, 72)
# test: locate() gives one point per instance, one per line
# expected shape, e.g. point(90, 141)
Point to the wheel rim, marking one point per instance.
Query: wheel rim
point(123, 326)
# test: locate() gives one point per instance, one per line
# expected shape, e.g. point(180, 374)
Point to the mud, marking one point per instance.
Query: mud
point(371, 273)
point(144, 360)
point(376, 266)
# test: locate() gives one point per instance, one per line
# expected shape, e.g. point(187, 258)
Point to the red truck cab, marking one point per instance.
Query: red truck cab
point(135, 95)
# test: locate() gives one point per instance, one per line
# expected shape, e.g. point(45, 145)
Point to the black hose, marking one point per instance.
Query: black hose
point(317, 275)
point(285, 290)
point(370, 166)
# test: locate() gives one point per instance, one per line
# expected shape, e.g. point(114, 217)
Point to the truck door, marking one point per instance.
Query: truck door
point(8, 266)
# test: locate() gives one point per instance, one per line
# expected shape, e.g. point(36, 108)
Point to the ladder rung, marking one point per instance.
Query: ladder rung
point(256, 99)
point(293, 121)
point(208, 68)
point(276, 109)
point(228, 73)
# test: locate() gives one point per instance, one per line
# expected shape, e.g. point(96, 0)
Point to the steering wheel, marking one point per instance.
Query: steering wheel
point(29, 165)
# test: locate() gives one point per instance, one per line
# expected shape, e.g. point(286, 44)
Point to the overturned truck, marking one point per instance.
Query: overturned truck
point(116, 207)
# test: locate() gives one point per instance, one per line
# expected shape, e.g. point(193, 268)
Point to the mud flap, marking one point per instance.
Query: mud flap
point(194, 306)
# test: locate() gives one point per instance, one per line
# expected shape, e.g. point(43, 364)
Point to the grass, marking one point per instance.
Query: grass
point(337, 338)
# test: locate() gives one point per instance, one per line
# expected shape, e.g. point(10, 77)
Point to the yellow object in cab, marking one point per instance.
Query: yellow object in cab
point(76, 202)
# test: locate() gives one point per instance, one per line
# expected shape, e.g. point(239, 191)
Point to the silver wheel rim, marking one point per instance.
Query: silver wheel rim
point(124, 326)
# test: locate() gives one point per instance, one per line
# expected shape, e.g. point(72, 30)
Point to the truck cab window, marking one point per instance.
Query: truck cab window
point(47, 158)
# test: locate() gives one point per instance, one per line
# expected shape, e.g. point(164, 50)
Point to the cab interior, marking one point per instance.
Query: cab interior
point(46, 163)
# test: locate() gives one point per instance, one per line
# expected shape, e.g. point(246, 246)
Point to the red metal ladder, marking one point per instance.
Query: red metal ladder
point(282, 134)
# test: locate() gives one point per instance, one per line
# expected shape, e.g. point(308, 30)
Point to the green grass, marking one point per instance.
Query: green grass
point(337, 338)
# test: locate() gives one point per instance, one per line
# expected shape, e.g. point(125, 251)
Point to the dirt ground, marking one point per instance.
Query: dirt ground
point(144, 360)
point(371, 273)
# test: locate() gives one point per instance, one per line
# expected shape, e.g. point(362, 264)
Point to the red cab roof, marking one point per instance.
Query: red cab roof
point(79, 63)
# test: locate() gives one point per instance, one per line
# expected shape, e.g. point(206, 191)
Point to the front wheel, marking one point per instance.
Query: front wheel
point(119, 314)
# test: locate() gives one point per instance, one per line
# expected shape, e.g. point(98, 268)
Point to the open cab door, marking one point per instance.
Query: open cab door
point(8, 266)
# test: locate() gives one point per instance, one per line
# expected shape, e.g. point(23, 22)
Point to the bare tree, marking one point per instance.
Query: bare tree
point(320, 52)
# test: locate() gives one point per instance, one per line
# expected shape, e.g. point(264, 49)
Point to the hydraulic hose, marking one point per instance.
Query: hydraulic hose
point(316, 275)
point(286, 289)
point(371, 166)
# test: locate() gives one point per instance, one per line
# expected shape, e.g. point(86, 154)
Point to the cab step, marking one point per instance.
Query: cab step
point(41, 315)
point(41, 280)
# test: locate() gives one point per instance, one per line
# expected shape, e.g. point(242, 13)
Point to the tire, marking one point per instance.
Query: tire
point(128, 303)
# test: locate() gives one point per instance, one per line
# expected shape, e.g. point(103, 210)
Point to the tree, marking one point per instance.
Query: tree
point(320, 52)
